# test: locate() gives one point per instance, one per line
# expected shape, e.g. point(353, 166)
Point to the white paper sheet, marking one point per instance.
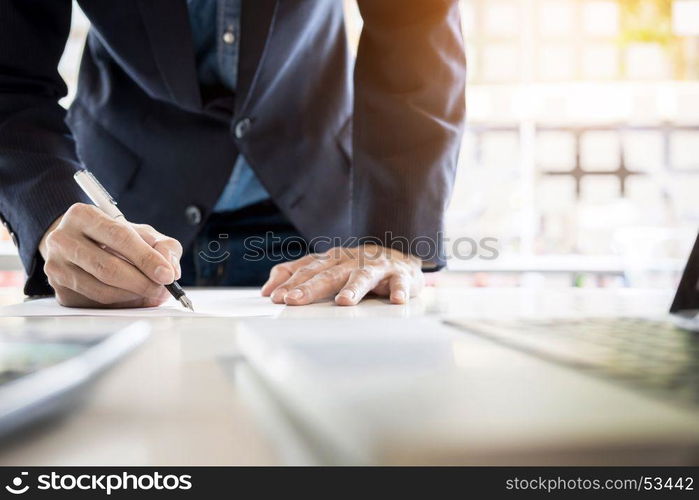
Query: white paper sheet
point(207, 303)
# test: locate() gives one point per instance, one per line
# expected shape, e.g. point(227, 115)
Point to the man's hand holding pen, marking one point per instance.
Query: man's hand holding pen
point(93, 260)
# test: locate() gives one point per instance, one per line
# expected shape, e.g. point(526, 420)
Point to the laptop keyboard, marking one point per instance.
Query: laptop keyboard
point(653, 356)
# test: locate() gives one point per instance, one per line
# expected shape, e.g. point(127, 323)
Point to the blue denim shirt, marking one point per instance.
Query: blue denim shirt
point(216, 35)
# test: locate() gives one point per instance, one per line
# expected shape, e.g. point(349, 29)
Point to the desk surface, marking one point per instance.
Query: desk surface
point(175, 402)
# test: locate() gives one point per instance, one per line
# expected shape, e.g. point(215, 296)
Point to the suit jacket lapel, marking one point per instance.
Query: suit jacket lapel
point(257, 23)
point(170, 34)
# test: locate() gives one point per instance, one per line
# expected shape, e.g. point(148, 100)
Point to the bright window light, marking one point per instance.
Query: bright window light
point(685, 17)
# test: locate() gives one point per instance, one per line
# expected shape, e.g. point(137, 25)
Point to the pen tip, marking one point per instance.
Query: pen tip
point(187, 303)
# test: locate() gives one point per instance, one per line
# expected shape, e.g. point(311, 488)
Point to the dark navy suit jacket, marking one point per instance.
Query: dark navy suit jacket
point(342, 153)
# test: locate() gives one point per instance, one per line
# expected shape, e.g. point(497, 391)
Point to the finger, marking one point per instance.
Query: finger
point(361, 282)
point(70, 298)
point(320, 286)
point(301, 275)
point(399, 288)
point(278, 275)
point(123, 239)
point(90, 287)
point(104, 266)
point(168, 247)
point(282, 272)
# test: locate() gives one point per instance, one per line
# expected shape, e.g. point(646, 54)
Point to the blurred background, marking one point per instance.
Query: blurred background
point(582, 150)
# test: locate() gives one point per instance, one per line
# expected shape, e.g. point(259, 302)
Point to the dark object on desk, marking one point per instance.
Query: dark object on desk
point(658, 357)
point(45, 367)
point(687, 296)
point(655, 357)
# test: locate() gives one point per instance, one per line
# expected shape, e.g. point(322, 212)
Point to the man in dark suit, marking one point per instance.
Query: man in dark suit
point(235, 127)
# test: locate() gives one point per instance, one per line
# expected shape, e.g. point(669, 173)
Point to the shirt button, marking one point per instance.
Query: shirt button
point(229, 38)
point(14, 239)
point(193, 215)
point(243, 127)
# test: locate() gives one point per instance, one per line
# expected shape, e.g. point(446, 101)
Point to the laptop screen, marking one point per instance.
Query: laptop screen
point(687, 296)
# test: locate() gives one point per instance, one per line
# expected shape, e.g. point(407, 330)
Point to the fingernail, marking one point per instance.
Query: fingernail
point(399, 295)
point(163, 275)
point(279, 294)
point(347, 294)
point(295, 294)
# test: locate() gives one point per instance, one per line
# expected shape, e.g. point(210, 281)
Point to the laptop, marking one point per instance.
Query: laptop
point(658, 357)
point(429, 390)
point(47, 364)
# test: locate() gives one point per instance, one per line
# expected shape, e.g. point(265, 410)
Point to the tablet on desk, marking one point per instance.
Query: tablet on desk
point(45, 365)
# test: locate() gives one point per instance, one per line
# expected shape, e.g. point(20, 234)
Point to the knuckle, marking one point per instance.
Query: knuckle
point(321, 257)
point(105, 271)
point(51, 268)
point(79, 254)
point(334, 253)
point(52, 239)
point(175, 245)
point(148, 260)
point(306, 288)
point(78, 211)
point(364, 274)
point(56, 239)
point(117, 233)
point(309, 269)
point(334, 273)
point(281, 268)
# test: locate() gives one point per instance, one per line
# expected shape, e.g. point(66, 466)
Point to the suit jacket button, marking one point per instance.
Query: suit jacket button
point(193, 215)
point(243, 127)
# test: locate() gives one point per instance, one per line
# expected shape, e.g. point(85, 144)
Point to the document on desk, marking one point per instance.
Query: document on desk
point(207, 303)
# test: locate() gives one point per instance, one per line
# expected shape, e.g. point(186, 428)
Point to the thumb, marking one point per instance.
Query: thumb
point(168, 247)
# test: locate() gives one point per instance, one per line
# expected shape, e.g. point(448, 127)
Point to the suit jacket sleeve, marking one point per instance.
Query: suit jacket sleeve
point(409, 116)
point(37, 153)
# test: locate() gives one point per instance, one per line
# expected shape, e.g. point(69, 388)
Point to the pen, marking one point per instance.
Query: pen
point(101, 198)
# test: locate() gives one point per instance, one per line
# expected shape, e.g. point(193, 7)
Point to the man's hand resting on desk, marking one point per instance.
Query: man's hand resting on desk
point(347, 273)
point(81, 251)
